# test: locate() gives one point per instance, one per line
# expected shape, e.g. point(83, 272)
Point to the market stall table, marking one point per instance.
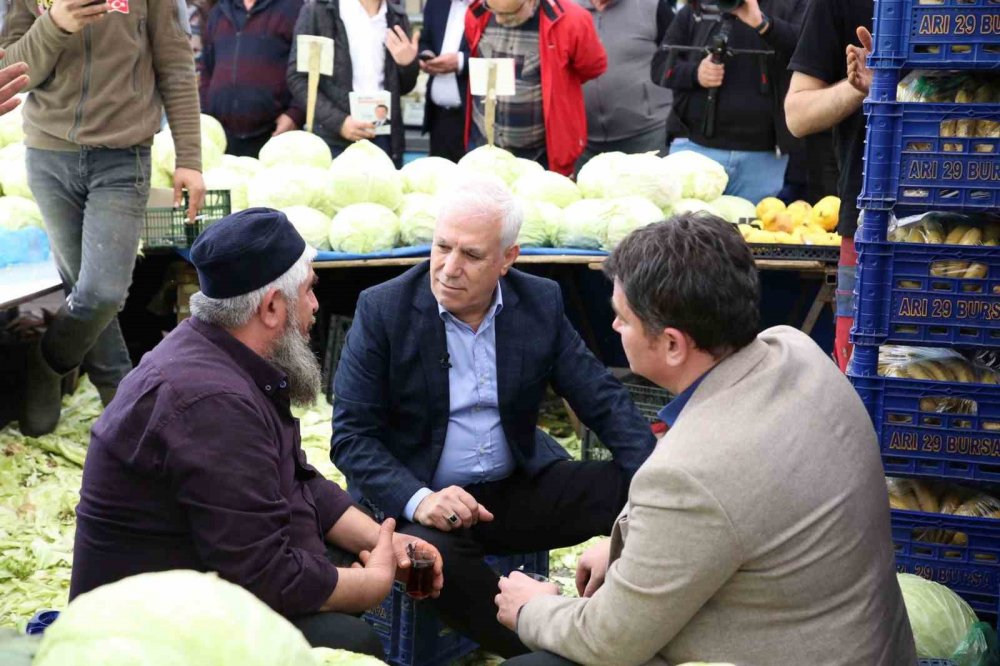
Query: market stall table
point(21, 283)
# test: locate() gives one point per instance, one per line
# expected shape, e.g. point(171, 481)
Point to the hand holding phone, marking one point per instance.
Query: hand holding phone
point(427, 54)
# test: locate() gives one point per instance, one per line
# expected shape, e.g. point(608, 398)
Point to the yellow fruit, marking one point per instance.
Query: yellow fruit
point(781, 222)
point(826, 212)
point(783, 237)
point(799, 210)
point(768, 208)
point(759, 236)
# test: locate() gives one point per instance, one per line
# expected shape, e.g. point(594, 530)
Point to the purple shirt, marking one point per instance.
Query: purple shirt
point(197, 464)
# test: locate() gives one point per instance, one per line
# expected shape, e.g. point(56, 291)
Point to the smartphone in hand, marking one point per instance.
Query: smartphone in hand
point(426, 55)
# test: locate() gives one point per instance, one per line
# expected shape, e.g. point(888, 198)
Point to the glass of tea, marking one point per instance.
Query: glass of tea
point(420, 582)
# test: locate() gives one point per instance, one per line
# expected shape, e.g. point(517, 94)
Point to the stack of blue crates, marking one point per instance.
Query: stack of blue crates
point(911, 169)
point(413, 635)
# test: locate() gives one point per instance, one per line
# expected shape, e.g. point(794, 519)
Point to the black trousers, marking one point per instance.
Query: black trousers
point(447, 133)
point(564, 505)
point(245, 147)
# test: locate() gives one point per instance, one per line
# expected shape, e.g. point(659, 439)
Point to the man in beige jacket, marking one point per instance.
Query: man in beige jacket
point(100, 76)
point(757, 532)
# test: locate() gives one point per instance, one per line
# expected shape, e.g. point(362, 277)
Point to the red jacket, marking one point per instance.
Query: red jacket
point(571, 55)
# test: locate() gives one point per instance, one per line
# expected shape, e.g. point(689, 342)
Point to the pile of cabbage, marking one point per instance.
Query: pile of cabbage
point(359, 203)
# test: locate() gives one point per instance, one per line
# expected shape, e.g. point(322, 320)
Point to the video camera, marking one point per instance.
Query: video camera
point(711, 8)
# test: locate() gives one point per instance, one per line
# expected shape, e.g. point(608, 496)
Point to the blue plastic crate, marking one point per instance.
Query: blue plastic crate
point(971, 570)
point(413, 635)
point(959, 34)
point(922, 442)
point(909, 163)
point(900, 300)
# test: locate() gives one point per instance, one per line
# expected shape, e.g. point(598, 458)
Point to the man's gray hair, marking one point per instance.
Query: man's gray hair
point(477, 196)
point(235, 312)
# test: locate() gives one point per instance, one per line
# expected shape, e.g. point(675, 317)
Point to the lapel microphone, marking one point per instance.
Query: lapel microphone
point(445, 361)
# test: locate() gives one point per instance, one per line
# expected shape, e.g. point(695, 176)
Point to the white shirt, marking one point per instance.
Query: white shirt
point(444, 91)
point(366, 38)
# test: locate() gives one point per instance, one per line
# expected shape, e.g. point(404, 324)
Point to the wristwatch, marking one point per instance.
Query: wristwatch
point(765, 24)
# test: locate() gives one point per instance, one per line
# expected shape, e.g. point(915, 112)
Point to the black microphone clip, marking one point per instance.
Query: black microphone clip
point(445, 361)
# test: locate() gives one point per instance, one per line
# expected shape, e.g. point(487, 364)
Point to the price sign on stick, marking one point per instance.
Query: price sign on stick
point(491, 78)
point(314, 55)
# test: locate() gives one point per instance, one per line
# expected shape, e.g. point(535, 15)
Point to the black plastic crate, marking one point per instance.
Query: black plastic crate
point(169, 227)
point(828, 254)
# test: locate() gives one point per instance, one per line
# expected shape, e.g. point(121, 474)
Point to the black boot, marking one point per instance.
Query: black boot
point(42, 404)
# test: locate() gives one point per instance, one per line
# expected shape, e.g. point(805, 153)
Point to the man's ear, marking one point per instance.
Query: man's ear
point(510, 255)
point(676, 347)
point(273, 309)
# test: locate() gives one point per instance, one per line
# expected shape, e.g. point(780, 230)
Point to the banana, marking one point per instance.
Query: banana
point(973, 236)
point(976, 271)
point(956, 234)
point(951, 501)
point(960, 369)
point(991, 232)
point(919, 370)
point(939, 371)
point(988, 376)
point(935, 232)
point(896, 502)
point(992, 426)
point(915, 234)
point(932, 405)
point(926, 497)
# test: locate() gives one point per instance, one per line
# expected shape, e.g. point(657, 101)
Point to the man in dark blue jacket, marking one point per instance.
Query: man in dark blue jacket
point(242, 80)
point(443, 35)
point(436, 403)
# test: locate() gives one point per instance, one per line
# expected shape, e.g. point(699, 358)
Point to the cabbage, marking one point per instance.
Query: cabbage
point(364, 174)
point(525, 167)
point(296, 147)
point(14, 172)
point(312, 225)
point(682, 206)
point(287, 186)
point(164, 153)
point(629, 214)
point(245, 166)
point(363, 228)
point(366, 150)
point(330, 657)
point(541, 221)
point(417, 219)
point(585, 224)
point(221, 178)
point(171, 618)
point(12, 126)
point(490, 160)
point(547, 186)
point(464, 178)
point(18, 213)
point(940, 619)
point(214, 134)
point(613, 175)
point(733, 209)
point(701, 177)
point(428, 174)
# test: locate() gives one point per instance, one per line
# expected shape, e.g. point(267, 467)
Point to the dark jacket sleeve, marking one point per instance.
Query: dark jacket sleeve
point(361, 413)
point(408, 74)
point(679, 72)
point(330, 112)
point(239, 520)
point(206, 64)
point(786, 24)
point(598, 399)
point(664, 17)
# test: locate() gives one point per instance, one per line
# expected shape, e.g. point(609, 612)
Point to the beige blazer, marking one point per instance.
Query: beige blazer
point(757, 533)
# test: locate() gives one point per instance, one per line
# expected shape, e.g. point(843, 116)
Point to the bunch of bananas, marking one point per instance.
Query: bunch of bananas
point(938, 365)
point(950, 229)
point(944, 498)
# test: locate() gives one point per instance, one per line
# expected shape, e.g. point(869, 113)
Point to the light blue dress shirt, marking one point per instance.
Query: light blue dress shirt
point(475, 447)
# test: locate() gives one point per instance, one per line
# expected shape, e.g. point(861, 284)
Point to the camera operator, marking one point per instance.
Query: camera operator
point(749, 116)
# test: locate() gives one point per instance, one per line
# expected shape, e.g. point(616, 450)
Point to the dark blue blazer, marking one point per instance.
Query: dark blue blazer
point(432, 38)
point(391, 391)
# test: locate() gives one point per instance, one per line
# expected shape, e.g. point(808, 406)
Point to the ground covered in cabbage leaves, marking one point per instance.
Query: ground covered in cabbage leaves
point(39, 490)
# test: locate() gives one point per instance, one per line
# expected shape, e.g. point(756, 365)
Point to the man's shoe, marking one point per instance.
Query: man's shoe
point(42, 403)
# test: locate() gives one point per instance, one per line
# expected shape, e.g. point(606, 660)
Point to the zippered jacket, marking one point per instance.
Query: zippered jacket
point(571, 54)
point(107, 85)
point(243, 79)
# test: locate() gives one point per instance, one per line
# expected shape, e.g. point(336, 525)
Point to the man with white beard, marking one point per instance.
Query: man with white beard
point(197, 462)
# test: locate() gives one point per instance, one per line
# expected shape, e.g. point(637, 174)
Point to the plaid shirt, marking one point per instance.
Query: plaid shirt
point(520, 120)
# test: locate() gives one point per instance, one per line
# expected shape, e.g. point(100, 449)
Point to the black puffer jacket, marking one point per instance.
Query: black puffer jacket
point(322, 18)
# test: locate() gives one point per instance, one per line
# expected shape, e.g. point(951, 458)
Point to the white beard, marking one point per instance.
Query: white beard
point(293, 356)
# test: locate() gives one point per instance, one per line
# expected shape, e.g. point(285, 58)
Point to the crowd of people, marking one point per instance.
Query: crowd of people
point(755, 531)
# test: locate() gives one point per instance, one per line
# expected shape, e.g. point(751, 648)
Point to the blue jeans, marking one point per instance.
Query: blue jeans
point(93, 202)
point(753, 175)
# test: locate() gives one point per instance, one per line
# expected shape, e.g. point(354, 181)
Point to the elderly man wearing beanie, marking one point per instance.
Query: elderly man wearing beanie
point(197, 464)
